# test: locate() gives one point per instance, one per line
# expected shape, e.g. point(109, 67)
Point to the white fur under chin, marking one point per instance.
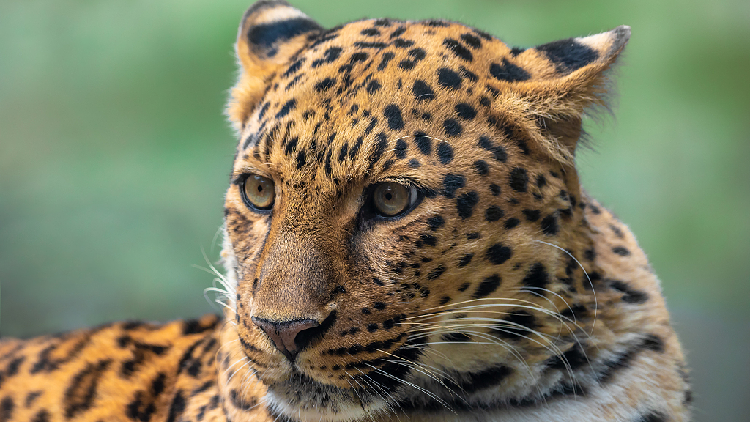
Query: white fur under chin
point(354, 412)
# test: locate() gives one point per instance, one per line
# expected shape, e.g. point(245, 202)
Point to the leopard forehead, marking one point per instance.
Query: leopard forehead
point(381, 99)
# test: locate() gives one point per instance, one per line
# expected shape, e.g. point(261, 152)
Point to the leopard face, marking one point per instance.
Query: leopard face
point(401, 201)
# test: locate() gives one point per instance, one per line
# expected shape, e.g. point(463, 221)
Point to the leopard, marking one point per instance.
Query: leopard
point(405, 238)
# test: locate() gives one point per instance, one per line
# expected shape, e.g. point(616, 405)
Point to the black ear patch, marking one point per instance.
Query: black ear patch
point(267, 24)
point(568, 55)
point(266, 36)
point(509, 72)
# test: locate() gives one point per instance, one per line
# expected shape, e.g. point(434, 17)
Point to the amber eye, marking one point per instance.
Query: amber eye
point(391, 199)
point(259, 192)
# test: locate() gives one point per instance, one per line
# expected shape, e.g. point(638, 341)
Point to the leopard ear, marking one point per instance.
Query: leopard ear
point(270, 34)
point(569, 79)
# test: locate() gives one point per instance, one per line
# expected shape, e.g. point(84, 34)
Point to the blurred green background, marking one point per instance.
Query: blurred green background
point(114, 156)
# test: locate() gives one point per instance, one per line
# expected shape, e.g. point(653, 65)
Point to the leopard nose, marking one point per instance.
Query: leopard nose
point(290, 337)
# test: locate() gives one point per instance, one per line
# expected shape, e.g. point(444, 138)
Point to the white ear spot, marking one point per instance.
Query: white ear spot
point(610, 42)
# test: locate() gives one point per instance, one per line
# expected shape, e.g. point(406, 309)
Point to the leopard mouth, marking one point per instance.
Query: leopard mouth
point(373, 392)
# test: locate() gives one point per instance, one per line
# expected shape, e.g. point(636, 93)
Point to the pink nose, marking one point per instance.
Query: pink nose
point(284, 334)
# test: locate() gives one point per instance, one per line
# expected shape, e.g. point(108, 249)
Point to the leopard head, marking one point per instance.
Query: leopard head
point(395, 199)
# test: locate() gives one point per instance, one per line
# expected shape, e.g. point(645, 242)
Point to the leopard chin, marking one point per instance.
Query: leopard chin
point(305, 399)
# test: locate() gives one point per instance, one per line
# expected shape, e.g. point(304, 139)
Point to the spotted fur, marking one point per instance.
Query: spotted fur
point(504, 293)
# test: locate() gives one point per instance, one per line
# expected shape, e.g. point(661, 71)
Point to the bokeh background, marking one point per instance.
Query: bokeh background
point(114, 156)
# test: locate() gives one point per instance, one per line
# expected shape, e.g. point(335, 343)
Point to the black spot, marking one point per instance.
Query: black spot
point(415, 56)
point(393, 115)
point(493, 213)
point(471, 382)
point(517, 323)
point(455, 337)
point(293, 68)
point(495, 189)
point(428, 239)
point(40, 416)
point(473, 235)
point(481, 167)
point(242, 403)
point(176, 407)
point(549, 225)
point(6, 409)
point(158, 384)
point(402, 43)
point(437, 272)
point(372, 327)
point(370, 32)
point(537, 277)
point(373, 87)
point(459, 50)
point(532, 215)
point(465, 111)
point(541, 181)
point(508, 72)
point(286, 108)
point(465, 204)
point(471, 40)
point(574, 358)
point(498, 151)
point(498, 253)
point(343, 151)
point(31, 397)
point(464, 287)
point(630, 295)
point(487, 286)
point(516, 51)
point(377, 152)
point(568, 55)
point(81, 393)
point(266, 37)
point(451, 183)
point(141, 408)
point(465, 260)
point(398, 32)
point(366, 44)
point(448, 78)
point(387, 57)
point(300, 159)
point(329, 56)
point(452, 127)
point(445, 152)
point(424, 143)
point(471, 76)
point(291, 145)
point(422, 91)
point(589, 254)
point(653, 416)
point(621, 250)
point(379, 306)
point(623, 359)
point(519, 179)
point(435, 22)
point(400, 149)
point(358, 57)
point(435, 222)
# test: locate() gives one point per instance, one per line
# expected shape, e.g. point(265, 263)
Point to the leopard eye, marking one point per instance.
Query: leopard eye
point(391, 199)
point(258, 192)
